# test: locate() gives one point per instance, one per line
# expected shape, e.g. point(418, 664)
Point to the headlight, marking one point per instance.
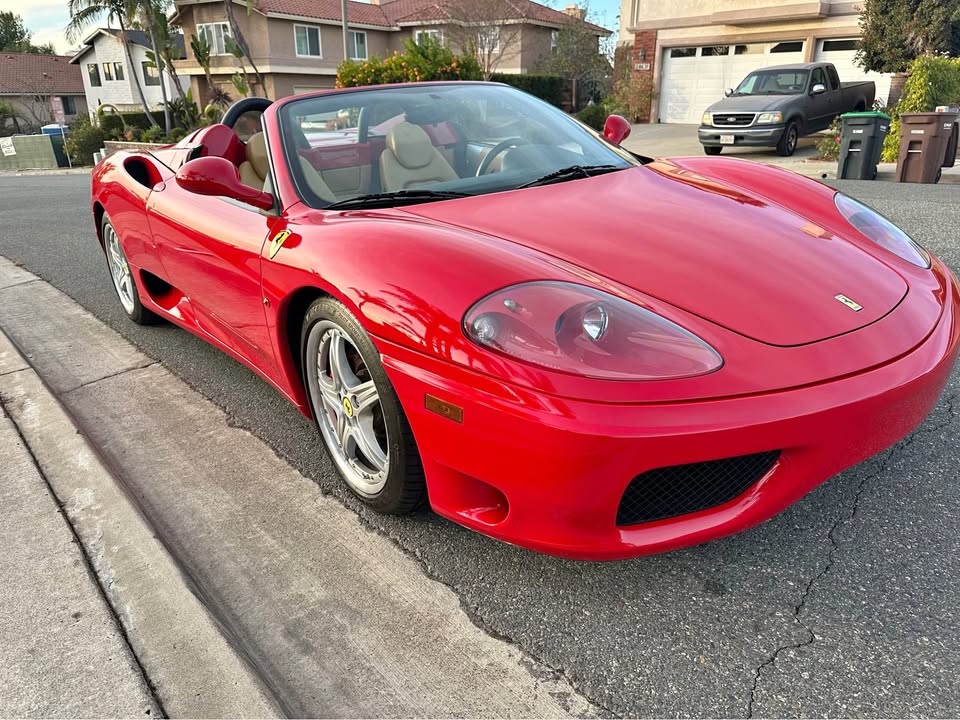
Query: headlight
point(707, 119)
point(881, 231)
point(582, 331)
point(771, 118)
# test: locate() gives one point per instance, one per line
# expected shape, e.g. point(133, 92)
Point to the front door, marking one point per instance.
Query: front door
point(210, 248)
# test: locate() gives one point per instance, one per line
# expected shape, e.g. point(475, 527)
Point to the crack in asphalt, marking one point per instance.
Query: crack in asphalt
point(842, 519)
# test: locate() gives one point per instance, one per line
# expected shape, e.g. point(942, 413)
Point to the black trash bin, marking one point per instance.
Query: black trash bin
point(861, 143)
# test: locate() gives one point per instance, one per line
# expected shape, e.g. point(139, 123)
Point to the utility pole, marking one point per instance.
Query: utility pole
point(346, 52)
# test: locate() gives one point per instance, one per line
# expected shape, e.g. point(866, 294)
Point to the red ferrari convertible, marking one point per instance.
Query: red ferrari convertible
point(485, 305)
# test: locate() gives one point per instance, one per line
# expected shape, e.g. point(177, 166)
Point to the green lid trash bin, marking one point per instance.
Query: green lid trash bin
point(861, 143)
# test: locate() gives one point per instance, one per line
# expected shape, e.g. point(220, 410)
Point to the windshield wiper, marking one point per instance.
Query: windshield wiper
point(570, 173)
point(401, 197)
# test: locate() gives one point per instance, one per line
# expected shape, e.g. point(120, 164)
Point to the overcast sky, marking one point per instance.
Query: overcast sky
point(47, 18)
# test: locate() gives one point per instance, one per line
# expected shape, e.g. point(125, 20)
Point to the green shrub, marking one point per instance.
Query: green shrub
point(112, 125)
point(427, 61)
point(83, 140)
point(593, 115)
point(932, 81)
point(133, 135)
point(551, 88)
point(828, 148)
point(152, 135)
point(177, 134)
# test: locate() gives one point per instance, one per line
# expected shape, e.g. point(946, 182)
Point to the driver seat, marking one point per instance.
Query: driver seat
point(255, 170)
point(410, 159)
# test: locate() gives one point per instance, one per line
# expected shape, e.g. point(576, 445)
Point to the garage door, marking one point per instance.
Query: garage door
point(842, 53)
point(694, 77)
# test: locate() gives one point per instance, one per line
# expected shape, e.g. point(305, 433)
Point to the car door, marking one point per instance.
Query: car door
point(210, 248)
point(821, 105)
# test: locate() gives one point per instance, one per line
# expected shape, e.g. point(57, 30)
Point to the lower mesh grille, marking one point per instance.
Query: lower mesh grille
point(683, 489)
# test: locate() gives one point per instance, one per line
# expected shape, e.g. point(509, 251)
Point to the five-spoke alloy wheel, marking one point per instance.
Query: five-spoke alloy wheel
point(357, 411)
point(122, 276)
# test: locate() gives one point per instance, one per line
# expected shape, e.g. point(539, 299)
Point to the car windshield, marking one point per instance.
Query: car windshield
point(774, 82)
point(414, 143)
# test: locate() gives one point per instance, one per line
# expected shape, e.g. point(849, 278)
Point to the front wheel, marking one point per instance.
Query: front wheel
point(788, 142)
point(712, 149)
point(358, 413)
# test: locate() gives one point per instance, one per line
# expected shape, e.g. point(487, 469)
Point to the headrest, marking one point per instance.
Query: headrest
point(257, 154)
point(411, 145)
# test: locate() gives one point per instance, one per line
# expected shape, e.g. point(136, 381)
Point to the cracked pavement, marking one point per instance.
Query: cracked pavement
point(843, 605)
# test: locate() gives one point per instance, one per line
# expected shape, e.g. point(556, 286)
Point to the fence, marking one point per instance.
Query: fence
point(27, 152)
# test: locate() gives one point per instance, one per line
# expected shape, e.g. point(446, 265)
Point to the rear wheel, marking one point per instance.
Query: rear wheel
point(124, 282)
point(712, 149)
point(358, 413)
point(788, 142)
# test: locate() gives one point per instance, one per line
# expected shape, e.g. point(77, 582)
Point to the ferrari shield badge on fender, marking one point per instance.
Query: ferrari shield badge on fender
point(278, 240)
point(855, 306)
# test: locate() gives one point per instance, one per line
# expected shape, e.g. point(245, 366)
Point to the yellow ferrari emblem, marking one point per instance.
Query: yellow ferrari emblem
point(855, 306)
point(278, 240)
point(348, 407)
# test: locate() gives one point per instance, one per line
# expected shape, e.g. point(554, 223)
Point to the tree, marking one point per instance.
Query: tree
point(7, 113)
point(150, 15)
point(577, 55)
point(15, 37)
point(488, 28)
point(84, 13)
point(240, 40)
point(894, 32)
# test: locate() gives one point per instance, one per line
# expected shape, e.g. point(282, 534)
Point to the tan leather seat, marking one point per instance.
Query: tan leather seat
point(410, 159)
point(256, 168)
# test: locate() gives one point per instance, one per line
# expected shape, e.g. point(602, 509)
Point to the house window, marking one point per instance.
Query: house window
point(554, 40)
point(422, 35)
point(358, 45)
point(150, 74)
point(107, 71)
point(216, 35)
point(488, 39)
point(835, 45)
point(118, 71)
point(788, 47)
point(69, 105)
point(714, 50)
point(93, 70)
point(683, 52)
point(308, 40)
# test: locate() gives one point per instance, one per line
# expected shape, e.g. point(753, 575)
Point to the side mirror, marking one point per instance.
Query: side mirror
point(728, 92)
point(218, 176)
point(616, 129)
point(818, 89)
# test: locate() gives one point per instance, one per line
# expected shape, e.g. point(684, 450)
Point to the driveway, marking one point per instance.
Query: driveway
point(677, 140)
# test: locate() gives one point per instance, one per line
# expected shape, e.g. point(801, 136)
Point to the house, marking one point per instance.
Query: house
point(297, 45)
point(690, 51)
point(108, 77)
point(43, 89)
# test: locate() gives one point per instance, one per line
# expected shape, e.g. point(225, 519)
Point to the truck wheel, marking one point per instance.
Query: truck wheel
point(788, 142)
point(712, 149)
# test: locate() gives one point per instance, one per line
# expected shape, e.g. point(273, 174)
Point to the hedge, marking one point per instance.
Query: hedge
point(551, 88)
point(113, 123)
point(932, 81)
point(428, 60)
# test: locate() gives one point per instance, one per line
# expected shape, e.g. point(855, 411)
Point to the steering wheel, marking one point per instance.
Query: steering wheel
point(496, 150)
point(245, 105)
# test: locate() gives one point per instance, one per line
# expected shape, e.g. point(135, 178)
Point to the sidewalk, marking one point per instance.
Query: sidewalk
point(62, 651)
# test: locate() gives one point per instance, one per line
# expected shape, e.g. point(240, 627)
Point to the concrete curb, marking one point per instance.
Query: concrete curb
point(192, 668)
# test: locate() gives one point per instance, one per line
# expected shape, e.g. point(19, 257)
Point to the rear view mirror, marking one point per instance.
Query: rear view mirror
point(818, 89)
point(728, 92)
point(616, 129)
point(219, 177)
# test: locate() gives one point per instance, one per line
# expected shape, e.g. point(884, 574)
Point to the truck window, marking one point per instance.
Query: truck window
point(818, 78)
point(834, 78)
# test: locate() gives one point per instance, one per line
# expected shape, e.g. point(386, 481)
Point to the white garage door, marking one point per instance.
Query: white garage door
point(694, 77)
point(842, 53)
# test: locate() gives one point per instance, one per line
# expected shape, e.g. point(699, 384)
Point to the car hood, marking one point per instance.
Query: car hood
point(710, 248)
point(751, 103)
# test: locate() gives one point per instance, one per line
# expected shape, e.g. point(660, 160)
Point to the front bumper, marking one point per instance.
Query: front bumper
point(760, 136)
point(548, 473)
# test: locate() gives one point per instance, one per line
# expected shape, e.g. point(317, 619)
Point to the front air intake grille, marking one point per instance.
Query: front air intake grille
point(733, 119)
point(682, 489)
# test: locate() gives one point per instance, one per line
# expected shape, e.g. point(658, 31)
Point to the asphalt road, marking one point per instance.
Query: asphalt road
point(844, 605)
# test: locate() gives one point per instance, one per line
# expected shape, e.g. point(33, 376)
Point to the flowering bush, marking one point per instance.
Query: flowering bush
point(828, 148)
point(428, 60)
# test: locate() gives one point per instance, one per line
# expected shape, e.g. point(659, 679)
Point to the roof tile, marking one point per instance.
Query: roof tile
point(28, 73)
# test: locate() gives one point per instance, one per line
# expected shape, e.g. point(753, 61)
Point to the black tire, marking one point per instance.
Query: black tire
point(788, 141)
point(405, 488)
point(137, 312)
point(712, 149)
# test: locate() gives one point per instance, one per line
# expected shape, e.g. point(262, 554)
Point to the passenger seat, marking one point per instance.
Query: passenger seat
point(410, 159)
point(255, 170)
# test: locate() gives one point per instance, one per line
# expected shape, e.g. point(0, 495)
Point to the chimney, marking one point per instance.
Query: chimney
point(575, 11)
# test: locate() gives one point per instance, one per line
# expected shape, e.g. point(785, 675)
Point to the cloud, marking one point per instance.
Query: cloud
point(46, 19)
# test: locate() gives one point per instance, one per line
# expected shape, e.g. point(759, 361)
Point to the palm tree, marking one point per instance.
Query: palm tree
point(149, 14)
point(240, 40)
point(84, 13)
